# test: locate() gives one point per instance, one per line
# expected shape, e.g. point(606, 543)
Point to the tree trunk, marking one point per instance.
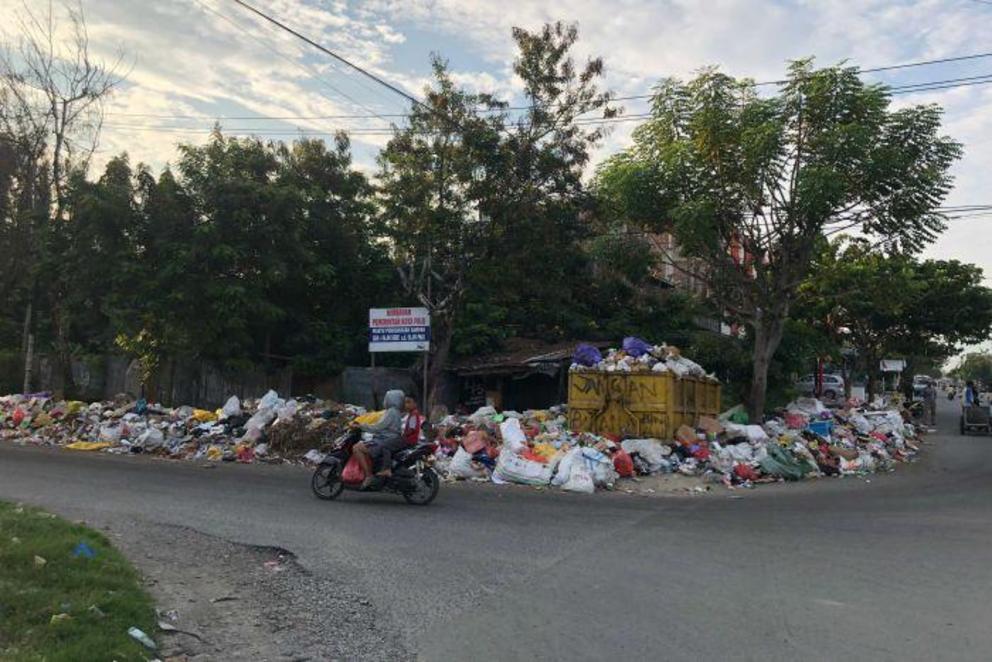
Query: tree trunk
point(872, 386)
point(441, 333)
point(768, 329)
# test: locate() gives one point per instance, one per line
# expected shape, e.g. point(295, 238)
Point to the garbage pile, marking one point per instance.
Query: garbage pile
point(806, 440)
point(637, 355)
point(268, 429)
point(529, 448)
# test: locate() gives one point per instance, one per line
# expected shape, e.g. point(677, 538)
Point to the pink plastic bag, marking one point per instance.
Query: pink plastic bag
point(353, 472)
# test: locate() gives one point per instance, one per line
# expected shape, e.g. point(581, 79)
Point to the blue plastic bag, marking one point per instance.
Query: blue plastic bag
point(635, 347)
point(587, 355)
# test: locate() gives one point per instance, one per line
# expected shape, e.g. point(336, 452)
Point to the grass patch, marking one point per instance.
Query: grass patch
point(101, 595)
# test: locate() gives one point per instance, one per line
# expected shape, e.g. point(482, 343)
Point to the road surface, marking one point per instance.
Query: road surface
point(898, 567)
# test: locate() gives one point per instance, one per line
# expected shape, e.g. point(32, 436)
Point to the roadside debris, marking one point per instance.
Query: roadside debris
point(269, 429)
point(535, 448)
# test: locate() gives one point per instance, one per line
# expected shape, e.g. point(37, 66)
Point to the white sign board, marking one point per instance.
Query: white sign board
point(892, 365)
point(399, 330)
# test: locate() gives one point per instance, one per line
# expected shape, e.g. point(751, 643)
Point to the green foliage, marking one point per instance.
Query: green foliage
point(894, 305)
point(102, 596)
point(750, 185)
point(974, 366)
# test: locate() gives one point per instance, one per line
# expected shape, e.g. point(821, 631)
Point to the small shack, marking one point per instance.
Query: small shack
point(530, 374)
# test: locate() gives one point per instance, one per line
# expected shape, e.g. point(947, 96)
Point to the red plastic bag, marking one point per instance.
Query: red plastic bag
point(353, 472)
point(17, 416)
point(746, 472)
point(623, 463)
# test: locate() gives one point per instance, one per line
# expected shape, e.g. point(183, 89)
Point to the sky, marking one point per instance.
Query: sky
point(190, 63)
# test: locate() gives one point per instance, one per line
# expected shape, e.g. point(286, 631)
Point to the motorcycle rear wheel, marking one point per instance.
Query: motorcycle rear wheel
point(427, 489)
point(326, 482)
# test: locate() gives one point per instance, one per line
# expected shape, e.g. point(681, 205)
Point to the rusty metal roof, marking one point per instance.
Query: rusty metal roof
point(523, 355)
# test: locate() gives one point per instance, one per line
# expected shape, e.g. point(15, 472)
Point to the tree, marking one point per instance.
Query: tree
point(892, 305)
point(974, 366)
point(751, 184)
point(52, 95)
point(464, 187)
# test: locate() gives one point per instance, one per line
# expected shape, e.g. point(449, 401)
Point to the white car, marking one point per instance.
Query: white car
point(833, 386)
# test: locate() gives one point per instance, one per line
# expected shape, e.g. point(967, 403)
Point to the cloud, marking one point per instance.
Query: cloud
point(208, 58)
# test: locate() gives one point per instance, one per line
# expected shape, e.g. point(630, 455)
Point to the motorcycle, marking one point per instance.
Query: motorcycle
point(414, 477)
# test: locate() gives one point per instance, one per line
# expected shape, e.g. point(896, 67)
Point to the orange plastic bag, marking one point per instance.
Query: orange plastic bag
point(353, 472)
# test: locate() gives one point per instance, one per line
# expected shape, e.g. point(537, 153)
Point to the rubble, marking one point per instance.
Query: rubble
point(269, 429)
point(637, 355)
point(805, 440)
point(537, 448)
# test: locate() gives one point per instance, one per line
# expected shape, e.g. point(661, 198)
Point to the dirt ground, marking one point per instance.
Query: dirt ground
point(223, 601)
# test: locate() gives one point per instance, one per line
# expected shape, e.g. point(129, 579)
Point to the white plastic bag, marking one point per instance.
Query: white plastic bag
point(287, 411)
point(261, 418)
point(512, 468)
point(600, 467)
point(232, 407)
point(151, 439)
point(579, 479)
point(461, 465)
point(564, 470)
point(513, 435)
point(269, 400)
point(651, 451)
point(110, 433)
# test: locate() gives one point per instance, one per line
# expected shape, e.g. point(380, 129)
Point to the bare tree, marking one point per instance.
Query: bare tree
point(51, 104)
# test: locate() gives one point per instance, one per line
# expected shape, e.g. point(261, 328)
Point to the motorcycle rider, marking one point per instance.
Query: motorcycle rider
point(387, 438)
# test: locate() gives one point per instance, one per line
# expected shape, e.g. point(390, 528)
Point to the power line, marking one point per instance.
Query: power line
point(304, 67)
point(904, 89)
point(334, 55)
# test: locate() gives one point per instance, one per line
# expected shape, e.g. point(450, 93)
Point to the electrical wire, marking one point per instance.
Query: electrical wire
point(304, 67)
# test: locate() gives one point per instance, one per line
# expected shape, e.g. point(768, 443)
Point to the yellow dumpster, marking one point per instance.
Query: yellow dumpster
point(646, 404)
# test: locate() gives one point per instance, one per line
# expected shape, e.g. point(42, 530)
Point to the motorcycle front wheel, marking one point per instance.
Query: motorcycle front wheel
point(427, 488)
point(326, 482)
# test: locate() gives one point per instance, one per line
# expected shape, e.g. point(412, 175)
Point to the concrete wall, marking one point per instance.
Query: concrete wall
point(203, 385)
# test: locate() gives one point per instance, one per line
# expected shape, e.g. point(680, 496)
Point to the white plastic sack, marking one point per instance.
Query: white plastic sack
point(513, 435)
point(287, 411)
point(756, 433)
point(151, 438)
point(481, 414)
point(599, 466)
point(652, 451)
point(461, 465)
point(313, 455)
point(232, 407)
point(111, 433)
point(260, 419)
point(564, 469)
point(579, 480)
point(269, 400)
point(512, 468)
point(809, 406)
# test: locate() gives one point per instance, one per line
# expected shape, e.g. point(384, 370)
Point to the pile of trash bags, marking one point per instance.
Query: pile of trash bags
point(269, 429)
point(536, 447)
point(804, 440)
point(637, 355)
point(529, 448)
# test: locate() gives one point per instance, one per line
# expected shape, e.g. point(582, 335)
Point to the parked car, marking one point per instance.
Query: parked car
point(833, 386)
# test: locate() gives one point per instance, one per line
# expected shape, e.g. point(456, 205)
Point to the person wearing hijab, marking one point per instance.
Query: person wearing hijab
point(387, 438)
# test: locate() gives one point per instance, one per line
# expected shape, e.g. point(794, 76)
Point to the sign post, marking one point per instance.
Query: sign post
point(401, 330)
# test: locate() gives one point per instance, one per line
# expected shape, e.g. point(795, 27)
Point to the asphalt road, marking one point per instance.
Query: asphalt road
point(895, 568)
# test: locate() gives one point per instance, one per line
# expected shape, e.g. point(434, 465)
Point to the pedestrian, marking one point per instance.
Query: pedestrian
point(970, 395)
point(930, 404)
